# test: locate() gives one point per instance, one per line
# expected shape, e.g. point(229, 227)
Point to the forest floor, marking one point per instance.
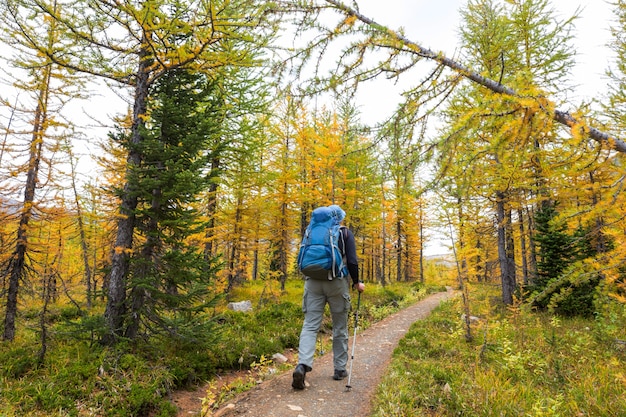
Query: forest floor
point(323, 396)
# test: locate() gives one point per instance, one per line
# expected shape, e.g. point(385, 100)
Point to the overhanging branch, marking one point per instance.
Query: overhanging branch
point(562, 117)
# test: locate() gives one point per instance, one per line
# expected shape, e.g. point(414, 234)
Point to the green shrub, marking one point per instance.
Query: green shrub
point(70, 312)
point(17, 361)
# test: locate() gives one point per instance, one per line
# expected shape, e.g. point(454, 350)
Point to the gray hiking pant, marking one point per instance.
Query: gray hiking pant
point(316, 294)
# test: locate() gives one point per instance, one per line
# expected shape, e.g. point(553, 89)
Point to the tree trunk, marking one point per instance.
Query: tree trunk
point(479, 261)
point(505, 273)
point(120, 258)
point(284, 242)
point(233, 263)
point(421, 243)
point(511, 280)
point(383, 267)
point(17, 260)
point(523, 249)
point(399, 249)
point(532, 261)
point(81, 230)
point(211, 210)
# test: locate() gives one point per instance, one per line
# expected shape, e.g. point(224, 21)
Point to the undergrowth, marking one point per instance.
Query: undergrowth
point(80, 377)
point(519, 363)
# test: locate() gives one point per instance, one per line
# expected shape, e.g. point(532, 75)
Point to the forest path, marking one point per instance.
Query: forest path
point(323, 396)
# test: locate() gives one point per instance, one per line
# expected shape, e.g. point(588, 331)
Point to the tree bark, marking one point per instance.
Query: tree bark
point(399, 248)
point(508, 285)
point(120, 258)
point(211, 209)
point(524, 251)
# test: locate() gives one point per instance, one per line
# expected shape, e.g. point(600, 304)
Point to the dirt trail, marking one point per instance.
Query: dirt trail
point(324, 396)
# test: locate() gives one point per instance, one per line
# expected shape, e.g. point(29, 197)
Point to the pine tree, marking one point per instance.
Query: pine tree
point(168, 278)
point(555, 246)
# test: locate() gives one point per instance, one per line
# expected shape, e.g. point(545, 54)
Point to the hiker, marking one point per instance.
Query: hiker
point(336, 292)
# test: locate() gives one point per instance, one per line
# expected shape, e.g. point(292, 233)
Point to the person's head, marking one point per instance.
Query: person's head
point(337, 212)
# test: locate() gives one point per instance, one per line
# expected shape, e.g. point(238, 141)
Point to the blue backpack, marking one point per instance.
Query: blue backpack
point(320, 256)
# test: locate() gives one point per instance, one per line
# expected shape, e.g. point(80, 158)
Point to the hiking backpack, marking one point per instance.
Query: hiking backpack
point(320, 256)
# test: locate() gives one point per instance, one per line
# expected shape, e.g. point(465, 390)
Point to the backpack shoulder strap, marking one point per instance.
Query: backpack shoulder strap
point(343, 235)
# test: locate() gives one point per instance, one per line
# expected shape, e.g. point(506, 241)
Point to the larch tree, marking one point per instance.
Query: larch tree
point(133, 44)
point(402, 157)
point(604, 206)
point(519, 44)
point(238, 217)
point(244, 95)
point(49, 88)
point(81, 226)
point(357, 179)
point(236, 158)
point(283, 192)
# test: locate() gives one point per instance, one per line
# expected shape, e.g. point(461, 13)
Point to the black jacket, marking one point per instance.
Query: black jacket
point(349, 251)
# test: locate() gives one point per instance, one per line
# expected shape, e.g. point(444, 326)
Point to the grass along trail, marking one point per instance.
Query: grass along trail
point(324, 396)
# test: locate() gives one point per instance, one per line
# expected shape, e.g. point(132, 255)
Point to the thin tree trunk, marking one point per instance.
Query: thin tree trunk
point(16, 266)
point(399, 249)
point(421, 248)
point(81, 229)
point(383, 254)
point(505, 273)
point(479, 261)
point(510, 251)
point(523, 249)
point(233, 264)
point(284, 242)
point(532, 255)
point(8, 129)
point(255, 256)
point(48, 286)
point(211, 210)
point(408, 267)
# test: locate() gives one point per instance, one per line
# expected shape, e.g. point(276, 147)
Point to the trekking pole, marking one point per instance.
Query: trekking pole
point(356, 325)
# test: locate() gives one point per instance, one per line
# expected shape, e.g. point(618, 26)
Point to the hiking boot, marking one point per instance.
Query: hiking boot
point(340, 374)
point(298, 377)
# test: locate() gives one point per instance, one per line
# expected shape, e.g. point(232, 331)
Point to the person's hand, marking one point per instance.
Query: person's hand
point(360, 286)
